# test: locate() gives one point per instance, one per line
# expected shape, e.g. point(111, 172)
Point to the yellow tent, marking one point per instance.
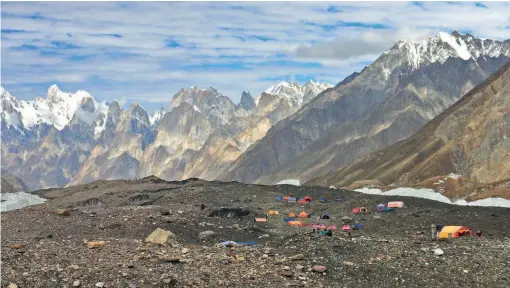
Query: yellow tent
point(454, 232)
point(291, 214)
point(273, 212)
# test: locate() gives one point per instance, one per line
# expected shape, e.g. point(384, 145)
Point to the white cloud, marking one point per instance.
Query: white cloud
point(226, 39)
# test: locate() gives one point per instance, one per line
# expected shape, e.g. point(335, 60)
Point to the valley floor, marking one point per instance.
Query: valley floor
point(43, 249)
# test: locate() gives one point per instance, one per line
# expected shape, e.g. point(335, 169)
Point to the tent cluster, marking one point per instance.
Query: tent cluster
point(288, 199)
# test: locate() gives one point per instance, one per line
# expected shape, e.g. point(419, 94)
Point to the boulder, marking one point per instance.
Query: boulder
point(319, 268)
point(347, 219)
point(63, 212)
point(161, 237)
point(205, 234)
point(95, 244)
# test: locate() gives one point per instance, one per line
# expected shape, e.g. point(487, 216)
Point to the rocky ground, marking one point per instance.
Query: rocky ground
point(46, 247)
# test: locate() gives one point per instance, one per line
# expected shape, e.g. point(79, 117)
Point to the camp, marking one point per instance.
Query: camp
point(303, 215)
point(396, 204)
point(273, 212)
point(454, 232)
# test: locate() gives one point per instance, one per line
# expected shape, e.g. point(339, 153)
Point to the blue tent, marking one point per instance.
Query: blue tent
point(380, 208)
point(358, 226)
point(323, 200)
point(388, 209)
point(289, 219)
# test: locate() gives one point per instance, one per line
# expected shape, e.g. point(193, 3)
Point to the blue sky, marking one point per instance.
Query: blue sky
point(145, 52)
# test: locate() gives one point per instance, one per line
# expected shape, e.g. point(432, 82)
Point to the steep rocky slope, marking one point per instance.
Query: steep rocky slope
point(471, 139)
point(387, 102)
point(11, 183)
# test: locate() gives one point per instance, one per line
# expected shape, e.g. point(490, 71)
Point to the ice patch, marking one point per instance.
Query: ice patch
point(13, 201)
point(294, 182)
point(435, 196)
point(453, 176)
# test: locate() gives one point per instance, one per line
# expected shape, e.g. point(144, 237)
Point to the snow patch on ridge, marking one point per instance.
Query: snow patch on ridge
point(294, 182)
point(435, 196)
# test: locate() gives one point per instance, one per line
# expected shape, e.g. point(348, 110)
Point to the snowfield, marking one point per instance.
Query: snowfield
point(18, 200)
point(433, 195)
point(294, 182)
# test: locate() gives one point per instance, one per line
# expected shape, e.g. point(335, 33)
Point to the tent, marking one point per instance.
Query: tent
point(355, 210)
point(308, 199)
point(388, 209)
point(295, 223)
point(289, 219)
point(396, 204)
point(285, 198)
point(346, 228)
point(323, 200)
point(291, 199)
point(339, 199)
point(278, 198)
point(358, 226)
point(272, 212)
point(260, 220)
point(363, 209)
point(319, 226)
point(454, 232)
point(325, 215)
point(331, 227)
point(380, 207)
point(301, 201)
point(292, 215)
point(303, 215)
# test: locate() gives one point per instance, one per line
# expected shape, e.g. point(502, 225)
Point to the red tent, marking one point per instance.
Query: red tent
point(355, 210)
point(308, 199)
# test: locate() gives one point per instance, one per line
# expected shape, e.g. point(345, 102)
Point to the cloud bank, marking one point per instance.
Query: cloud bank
point(147, 51)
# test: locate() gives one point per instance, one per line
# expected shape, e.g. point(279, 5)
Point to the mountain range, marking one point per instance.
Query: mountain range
point(390, 100)
point(70, 138)
point(309, 132)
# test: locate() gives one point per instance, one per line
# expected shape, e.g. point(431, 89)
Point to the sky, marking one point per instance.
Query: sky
point(144, 52)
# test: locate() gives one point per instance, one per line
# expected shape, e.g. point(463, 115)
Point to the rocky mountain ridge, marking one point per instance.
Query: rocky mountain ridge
point(387, 102)
point(67, 139)
point(470, 139)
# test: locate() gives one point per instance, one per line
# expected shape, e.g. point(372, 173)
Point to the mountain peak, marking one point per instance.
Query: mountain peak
point(444, 45)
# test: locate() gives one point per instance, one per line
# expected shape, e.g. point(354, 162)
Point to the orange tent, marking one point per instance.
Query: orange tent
point(454, 232)
point(303, 215)
point(291, 214)
point(295, 223)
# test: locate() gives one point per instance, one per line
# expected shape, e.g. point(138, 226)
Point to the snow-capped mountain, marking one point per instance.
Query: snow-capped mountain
point(67, 139)
point(441, 47)
point(386, 102)
point(295, 93)
point(58, 109)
